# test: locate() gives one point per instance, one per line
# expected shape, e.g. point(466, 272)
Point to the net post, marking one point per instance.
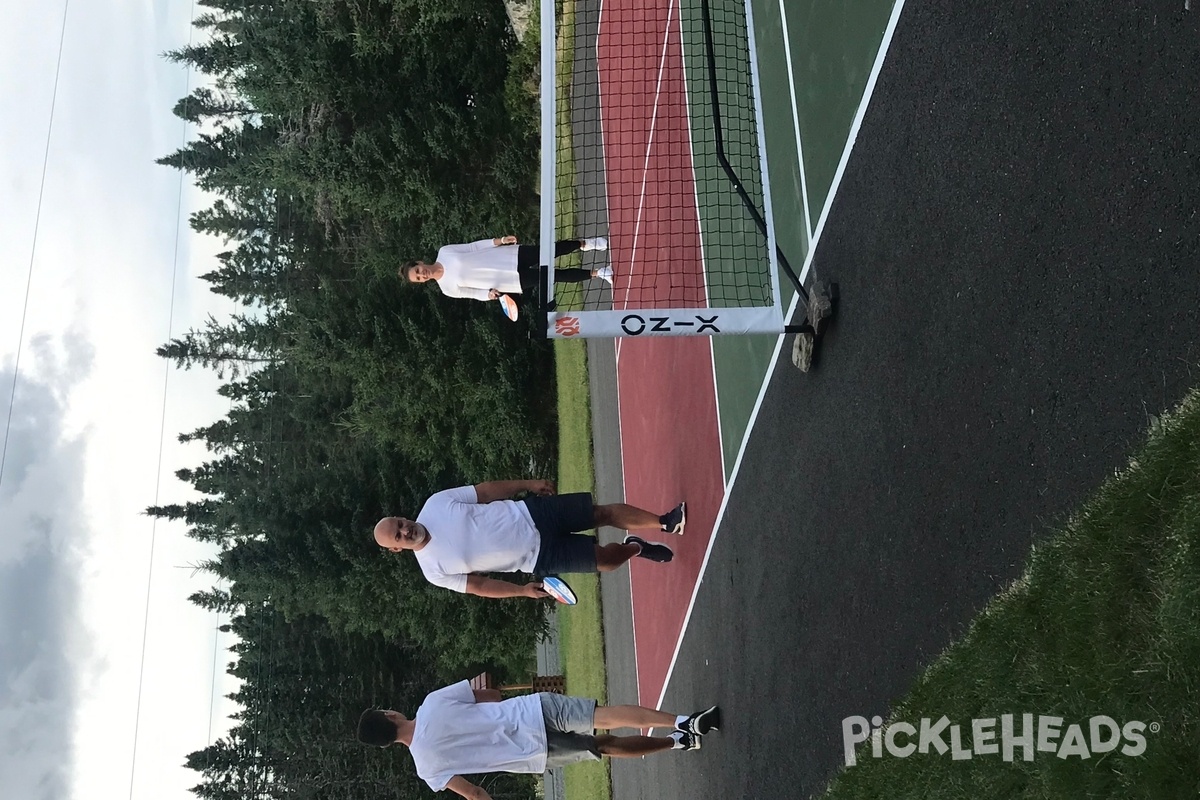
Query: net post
point(722, 159)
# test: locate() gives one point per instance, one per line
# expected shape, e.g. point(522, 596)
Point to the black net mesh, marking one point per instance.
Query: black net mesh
point(658, 151)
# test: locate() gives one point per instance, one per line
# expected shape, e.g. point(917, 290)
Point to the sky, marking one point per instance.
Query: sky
point(89, 585)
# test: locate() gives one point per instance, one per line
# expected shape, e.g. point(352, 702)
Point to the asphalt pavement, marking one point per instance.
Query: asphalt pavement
point(1016, 242)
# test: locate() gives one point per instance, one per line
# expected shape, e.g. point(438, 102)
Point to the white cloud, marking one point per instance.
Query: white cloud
point(42, 523)
point(75, 554)
point(41, 460)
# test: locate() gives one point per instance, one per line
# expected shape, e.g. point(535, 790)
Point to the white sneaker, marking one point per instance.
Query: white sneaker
point(605, 274)
point(598, 243)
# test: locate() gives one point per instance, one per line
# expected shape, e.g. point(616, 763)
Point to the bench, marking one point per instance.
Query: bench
point(541, 683)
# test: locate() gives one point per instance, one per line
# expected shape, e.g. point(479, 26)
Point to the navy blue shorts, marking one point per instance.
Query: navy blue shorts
point(558, 518)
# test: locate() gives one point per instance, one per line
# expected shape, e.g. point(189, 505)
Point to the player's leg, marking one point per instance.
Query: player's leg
point(633, 746)
point(608, 718)
point(560, 518)
point(529, 274)
point(574, 274)
point(565, 246)
point(632, 518)
point(571, 721)
point(631, 716)
point(613, 555)
point(568, 246)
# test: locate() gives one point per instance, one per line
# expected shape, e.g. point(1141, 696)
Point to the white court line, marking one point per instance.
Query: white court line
point(628, 284)
point(837, 179)
point(712, 358)
point(633, 259)
point(637, 226)
point(662, 63)
point(787, 51)
point(616, 342)
point(637, 676)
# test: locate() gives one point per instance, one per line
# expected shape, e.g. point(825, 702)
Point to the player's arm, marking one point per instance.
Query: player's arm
point(464, 788)
point(503, 490)
point(480, 586)
point(487, 695)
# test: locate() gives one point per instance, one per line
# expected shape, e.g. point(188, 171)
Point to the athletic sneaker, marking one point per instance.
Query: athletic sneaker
point(597, 243)
point(605, 274)
point(674, 520)
point(651, 551)
point(685, 741)
point(701, 722)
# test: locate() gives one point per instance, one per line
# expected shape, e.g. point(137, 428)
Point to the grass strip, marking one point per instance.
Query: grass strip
point(581, 628)
point(1104, 621)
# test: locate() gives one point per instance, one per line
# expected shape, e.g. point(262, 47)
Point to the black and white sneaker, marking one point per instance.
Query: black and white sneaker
point(674, 520)
point(651, 551)
point(685, 741)
point(702, 722)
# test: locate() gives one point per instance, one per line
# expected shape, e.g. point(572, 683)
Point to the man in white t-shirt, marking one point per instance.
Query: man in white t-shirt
point(462, 532)
point(486, 269)
point(463, 731)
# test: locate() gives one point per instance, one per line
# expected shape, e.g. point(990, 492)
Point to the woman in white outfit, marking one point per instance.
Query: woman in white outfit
point(486, 269)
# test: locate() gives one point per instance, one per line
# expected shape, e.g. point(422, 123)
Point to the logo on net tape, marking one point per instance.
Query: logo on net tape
point(567, 326)
point(636, 325)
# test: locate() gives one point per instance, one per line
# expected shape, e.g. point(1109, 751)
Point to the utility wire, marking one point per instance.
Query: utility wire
point(37, 221)
point(162, 426)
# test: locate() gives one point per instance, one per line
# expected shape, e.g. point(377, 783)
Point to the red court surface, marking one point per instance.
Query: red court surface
point(669, 428)
point(671, 452)
point(654, 227)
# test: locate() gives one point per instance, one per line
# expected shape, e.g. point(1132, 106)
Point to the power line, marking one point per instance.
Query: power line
point(37, 221)
point(267, 469)
point(162, 426)
point(212, 690)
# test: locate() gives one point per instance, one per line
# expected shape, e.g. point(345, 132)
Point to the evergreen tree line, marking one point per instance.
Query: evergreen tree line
point(339, 139)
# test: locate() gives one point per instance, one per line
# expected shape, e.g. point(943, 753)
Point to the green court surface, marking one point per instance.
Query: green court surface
point(833, 46)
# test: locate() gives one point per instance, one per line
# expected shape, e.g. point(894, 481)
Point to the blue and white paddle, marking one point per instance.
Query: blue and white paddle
point(508, 306)
point(558, 589)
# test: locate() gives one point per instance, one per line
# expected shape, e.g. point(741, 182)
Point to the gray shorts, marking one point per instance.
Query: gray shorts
point(570, 727)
